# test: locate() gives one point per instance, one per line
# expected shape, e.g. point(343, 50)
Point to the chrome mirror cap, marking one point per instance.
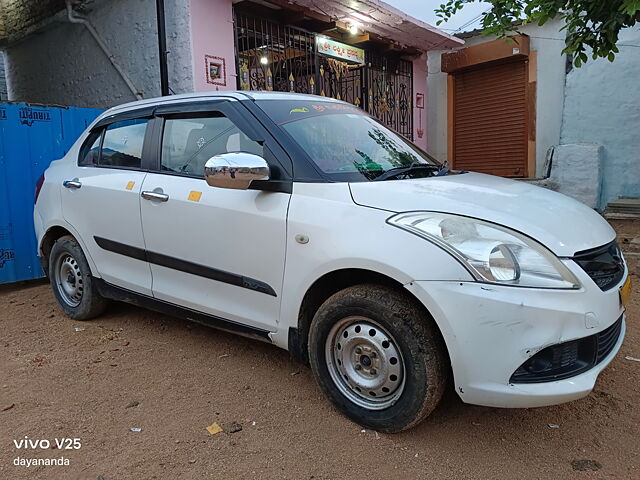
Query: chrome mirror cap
point(235, 170)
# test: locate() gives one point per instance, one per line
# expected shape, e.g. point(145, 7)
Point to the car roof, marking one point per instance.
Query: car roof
point(203, 96)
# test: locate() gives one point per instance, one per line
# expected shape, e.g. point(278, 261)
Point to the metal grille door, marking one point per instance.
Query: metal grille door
point(273, 56)
point(389, 93)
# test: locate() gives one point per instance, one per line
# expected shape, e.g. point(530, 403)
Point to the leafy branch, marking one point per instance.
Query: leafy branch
point(593, 26)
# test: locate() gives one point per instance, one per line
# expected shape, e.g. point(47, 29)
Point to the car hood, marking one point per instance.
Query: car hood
point(562, 224)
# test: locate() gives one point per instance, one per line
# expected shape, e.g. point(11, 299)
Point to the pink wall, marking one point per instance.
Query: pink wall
point(420, 86)
point(212, 34)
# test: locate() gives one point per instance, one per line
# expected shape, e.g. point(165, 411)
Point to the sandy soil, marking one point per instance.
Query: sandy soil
point(172, 379)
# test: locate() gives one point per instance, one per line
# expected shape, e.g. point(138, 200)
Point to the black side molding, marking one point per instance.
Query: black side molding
point(185, 266)
point(121, 248)
point(123, 295)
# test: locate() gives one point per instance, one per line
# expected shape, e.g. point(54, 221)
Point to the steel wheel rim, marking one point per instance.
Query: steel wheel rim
point(365, 363)
point(68, 279)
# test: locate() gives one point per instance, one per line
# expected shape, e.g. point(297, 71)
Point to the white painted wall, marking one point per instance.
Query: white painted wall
point(436, 106)
point(602, 106)
point(548, 42)
point(64, 65)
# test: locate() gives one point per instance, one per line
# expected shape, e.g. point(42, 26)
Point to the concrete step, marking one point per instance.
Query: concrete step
point(623, 208)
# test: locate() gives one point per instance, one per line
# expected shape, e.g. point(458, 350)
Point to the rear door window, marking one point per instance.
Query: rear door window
point(90, 152)
point(122, 144)
point(187, 143)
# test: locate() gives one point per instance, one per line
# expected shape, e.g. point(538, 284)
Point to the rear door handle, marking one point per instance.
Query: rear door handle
point(158, 197)
point(71, 184)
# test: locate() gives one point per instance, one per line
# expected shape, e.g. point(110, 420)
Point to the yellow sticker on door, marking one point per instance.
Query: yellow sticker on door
point(194, 196)
point(130, 185)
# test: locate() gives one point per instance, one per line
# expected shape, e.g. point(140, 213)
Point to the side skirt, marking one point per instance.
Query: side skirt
point(123, 295)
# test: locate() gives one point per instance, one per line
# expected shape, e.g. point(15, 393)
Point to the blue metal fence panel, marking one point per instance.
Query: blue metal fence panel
point(31, 137)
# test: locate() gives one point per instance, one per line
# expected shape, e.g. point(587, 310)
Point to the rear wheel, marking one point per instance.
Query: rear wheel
point(378, 357)
point(71, 281)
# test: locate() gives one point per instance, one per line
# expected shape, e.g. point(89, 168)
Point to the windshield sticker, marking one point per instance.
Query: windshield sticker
point(285, 112)
point(336, 107)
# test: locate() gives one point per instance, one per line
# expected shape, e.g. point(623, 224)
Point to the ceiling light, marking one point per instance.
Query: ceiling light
point(264, 60)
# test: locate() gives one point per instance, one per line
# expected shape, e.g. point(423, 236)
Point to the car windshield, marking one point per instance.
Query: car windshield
point(346, 143)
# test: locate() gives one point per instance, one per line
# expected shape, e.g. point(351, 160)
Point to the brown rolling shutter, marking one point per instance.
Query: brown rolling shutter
point(490, 119)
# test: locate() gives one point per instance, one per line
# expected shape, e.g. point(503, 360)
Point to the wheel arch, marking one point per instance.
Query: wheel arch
point(46, 244)
point(53, 233)
point(330, 283)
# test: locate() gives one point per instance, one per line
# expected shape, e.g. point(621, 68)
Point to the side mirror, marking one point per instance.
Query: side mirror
point(235, 170)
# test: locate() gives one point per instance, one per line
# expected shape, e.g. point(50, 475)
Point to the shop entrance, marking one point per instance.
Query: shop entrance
point(272, 55)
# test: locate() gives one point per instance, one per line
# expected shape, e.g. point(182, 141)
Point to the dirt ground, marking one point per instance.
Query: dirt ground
point(172, 379)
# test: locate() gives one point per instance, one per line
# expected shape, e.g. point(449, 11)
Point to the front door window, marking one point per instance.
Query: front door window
point(188, 143)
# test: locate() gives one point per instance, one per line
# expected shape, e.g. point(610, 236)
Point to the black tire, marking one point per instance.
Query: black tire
point(85, 303)
point(425, 362)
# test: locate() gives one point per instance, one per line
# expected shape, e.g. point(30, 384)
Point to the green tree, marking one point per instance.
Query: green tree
point(592, 26)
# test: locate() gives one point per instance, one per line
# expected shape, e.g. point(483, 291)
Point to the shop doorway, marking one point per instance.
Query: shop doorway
point(273, 55)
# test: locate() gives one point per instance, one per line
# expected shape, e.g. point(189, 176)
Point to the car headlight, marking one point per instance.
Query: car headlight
point(491, 253)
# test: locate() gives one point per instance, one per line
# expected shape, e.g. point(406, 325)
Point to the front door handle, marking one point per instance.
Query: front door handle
point(158, 197)
point(71, 184)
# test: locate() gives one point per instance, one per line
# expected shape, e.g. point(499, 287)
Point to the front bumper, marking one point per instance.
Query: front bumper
point(492, 330)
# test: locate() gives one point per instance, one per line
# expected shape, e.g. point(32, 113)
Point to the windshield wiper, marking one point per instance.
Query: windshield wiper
point(397, 171)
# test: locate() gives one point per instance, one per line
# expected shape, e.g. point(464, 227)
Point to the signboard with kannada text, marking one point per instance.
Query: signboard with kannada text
point(342, 51)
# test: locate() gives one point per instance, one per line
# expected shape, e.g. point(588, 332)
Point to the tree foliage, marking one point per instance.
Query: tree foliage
point(592, 26)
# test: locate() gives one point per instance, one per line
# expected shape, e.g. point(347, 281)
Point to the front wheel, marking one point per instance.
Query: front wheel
point(378, 357)
point(71, 281)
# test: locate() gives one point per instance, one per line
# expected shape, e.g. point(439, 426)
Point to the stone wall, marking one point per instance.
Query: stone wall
point(18, 17)
point(64, 65)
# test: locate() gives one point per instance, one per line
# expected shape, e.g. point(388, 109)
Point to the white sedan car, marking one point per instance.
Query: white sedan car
point(302, 221)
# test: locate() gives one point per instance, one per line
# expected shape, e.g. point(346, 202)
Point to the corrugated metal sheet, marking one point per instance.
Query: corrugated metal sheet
point(30, 138)
point(490, 119)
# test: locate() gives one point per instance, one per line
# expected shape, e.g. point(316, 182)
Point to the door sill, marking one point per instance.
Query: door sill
point(120, 294)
